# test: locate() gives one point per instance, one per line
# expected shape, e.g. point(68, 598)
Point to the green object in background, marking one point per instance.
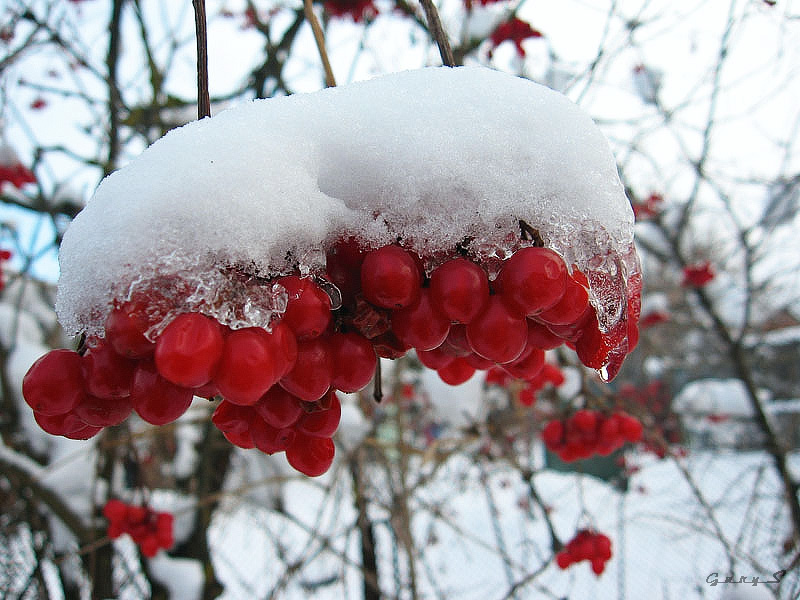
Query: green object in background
point(608, 468)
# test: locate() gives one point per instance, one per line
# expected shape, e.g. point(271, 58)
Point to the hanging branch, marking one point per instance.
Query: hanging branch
point(319, 38)
point(438, 33)
point(203, 100)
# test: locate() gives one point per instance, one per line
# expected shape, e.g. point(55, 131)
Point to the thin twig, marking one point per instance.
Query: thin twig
point(319, 38)
point(438, 33)
point(203, 99)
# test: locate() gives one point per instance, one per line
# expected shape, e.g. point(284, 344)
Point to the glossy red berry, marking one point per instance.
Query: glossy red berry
point(456, 372)
point(67, 425)
point(270, 439)
point(322, 423)
point(343, 267)
point(155, 399)
point(528, 365)
point(311, 455)
point(103, 412)
point(283, 346)
point(532, 280)
point(54, 384)
point(247, 368)
point(354, 361)
point(308, 308)
point(421, 325)
point(189, 349)
point(106, 373)
point(390, 277)
point(125, 330)
point(232, 418)
point(312, 373)
point(570, 307)
point(279, 408)
point(496, 334)
point(459, 289)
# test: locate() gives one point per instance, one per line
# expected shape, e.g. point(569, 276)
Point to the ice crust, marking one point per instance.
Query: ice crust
point(431, 157)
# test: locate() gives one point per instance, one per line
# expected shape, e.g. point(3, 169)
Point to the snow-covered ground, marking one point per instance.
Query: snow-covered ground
point(478, 533)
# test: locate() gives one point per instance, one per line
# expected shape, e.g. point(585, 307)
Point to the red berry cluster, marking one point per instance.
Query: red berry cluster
point(527, 394)
point(697, 275)
point(278, 385)
point(589, 432)
point(586, 545)
point(150, 530)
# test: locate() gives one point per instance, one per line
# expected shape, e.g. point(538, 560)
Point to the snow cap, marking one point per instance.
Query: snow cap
point(432, 157)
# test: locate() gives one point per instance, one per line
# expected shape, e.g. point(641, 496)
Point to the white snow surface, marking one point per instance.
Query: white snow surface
point(430, 156)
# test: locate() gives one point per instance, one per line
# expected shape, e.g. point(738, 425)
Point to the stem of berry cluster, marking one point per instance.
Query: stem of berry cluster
point(438, 33)
point(319, 38)
point(203, 100)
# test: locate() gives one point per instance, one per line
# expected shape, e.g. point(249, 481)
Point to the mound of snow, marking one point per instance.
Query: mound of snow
point(432, 157)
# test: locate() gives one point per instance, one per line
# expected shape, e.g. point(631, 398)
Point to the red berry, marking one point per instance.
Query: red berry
point(528, 365)
point(247, 368)
point(457, 372)
point(103, 412)
point(188, 350)
point(496, 334)
point(478, 362)
point(571, 305)
point(54, 384)
point(421, 325)
point(241, 439)
point(232, 418)
point(435, 359)
point(553, 434)
point(115, 510)
point(270, 439)
point(532, 280)
point(312, 373)
point(459, 289)
point(584, 421)
point(65, 425)
point(149, 546)
point(630, 427)
point(278, 407)
point(322, 423)
point(563, 559)
point(155, 399)
point(125, 330)
point(602, 547)
point(311, 455)
point(354, 361)
point(390, 277)
point(598, 566)
point(283, 347)
point(539, 336)
point(343, 268)
point(456, 342)
point(106, 373)
point(308, 310)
